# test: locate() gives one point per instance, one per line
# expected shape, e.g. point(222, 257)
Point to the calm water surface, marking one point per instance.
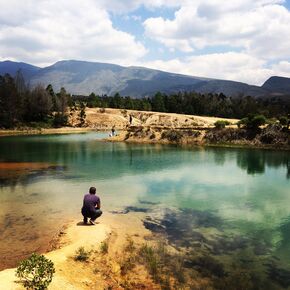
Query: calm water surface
point(237, 200)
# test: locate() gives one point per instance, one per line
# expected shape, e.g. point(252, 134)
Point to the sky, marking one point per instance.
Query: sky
point(241, 40)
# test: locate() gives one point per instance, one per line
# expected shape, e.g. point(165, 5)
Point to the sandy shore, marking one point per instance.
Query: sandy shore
point(63, 130)
point(71, 274)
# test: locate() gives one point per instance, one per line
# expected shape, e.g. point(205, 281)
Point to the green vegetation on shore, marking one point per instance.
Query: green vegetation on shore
point(42, 107)
point(37, 107)
point(35, 272)
point(192, 103)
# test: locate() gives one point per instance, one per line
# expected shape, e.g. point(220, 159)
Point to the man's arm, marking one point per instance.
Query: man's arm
point(98, 204)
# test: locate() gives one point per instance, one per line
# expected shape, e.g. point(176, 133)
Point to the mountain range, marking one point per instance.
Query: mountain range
point(83, 78)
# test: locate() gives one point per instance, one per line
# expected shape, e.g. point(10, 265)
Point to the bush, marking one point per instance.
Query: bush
point(36, 272)
point(283, 121)
point(220, 124)
point(171, 135)
point(60, 120)
point(252, 122)
point(242, 122)
point(82, 254)
point(257, 121)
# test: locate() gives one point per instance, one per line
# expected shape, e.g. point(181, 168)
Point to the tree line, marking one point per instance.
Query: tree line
point(21, 104)
point(193, 103)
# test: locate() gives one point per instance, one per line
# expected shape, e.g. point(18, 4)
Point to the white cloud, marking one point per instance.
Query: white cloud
point(124, 6)
point(259, 28)
point(230, 66)
point(41, 32)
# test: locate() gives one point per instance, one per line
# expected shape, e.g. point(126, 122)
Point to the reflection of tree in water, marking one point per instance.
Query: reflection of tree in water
point(27, 176)
point(255, 161)
point(220, 156)
point(252, 161)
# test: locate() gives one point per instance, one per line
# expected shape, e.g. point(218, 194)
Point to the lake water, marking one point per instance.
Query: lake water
point(232, 203)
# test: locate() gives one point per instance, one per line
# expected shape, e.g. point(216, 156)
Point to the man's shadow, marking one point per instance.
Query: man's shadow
point(82, 224)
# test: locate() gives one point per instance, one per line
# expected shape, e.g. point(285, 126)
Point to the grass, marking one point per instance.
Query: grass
point(150, 258)
point(104, 247)
point(129, 246)
point(137, 266)
point(82, 255)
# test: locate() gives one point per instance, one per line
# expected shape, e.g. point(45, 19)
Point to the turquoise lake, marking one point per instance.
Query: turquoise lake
point(236, 202)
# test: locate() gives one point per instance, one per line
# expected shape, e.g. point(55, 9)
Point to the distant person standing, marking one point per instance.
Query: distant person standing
point(130, 119)
point(113, 131)
point(91, 206)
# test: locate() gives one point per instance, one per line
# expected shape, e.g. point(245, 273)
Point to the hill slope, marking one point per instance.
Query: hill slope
point(278, 85)
point(83, 78)
point(11, 68)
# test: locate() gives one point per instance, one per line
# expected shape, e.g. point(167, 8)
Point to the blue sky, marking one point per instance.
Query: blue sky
point(241, 40)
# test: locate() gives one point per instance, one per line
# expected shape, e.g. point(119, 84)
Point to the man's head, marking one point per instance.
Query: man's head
point(92, 190)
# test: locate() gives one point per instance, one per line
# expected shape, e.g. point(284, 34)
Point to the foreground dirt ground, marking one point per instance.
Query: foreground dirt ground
point(102, 269)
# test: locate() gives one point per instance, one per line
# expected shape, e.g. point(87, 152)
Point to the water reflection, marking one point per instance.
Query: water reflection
point(227, 200)
point(256, 161)
point(102, 160)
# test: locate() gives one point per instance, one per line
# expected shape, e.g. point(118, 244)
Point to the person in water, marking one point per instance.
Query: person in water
point(91, 206)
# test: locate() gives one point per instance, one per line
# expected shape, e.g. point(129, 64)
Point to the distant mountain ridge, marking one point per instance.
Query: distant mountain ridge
point(83, 78)
point(12, 67)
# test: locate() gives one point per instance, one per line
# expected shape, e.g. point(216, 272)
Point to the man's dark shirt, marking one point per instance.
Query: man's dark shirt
point(90, 202)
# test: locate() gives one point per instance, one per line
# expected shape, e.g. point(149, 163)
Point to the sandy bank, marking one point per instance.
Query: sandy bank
point(71, 274)
point(30, 131)
point(104, 119)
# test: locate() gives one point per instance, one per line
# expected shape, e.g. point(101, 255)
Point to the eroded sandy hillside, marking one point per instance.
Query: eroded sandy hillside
point(100, 118)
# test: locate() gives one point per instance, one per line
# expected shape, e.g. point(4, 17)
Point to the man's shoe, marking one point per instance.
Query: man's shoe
point(92, 222)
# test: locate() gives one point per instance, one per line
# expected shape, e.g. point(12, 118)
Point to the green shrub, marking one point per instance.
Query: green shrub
point(257, 121)
point(81, 254)
point(60, 120)
point(271, 121)
point(36, 272)
point(252, 122)
point(283, 121)
point(104, 247)
point(243, 122)
point(220, 124)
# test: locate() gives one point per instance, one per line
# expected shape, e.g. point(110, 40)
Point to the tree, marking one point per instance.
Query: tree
point(39, 105)
point(10, 102)
point(82, 114)
point(51, 92)
point(117, 101)
point(60, 117)
point(62, 101)
point(220, 124)
point(36, 272)
point(158, 103)
point(252, 122)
